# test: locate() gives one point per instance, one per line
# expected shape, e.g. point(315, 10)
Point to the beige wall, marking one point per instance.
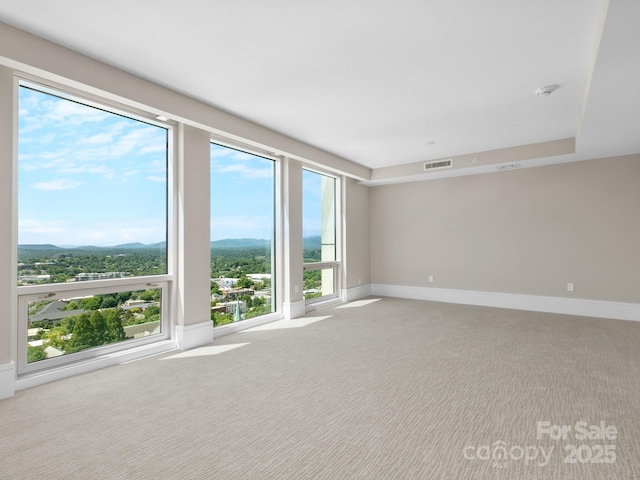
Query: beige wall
point(8, 257)
point(528, 231)
point(356, 225)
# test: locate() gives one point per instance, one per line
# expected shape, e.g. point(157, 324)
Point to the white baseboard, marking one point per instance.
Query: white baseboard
point(356, 293)
point(244, 324)
point(293, 309)
point(196, 335)
point(570, 306)
point(7, 380)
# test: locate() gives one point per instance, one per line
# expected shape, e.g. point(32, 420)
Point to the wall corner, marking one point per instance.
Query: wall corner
point(7, 380)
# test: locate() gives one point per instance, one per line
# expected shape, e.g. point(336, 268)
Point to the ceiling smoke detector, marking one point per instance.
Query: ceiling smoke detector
point(547, 90)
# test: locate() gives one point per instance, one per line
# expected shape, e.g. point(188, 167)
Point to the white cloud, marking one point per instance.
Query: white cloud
point(57, 184)
point(157, 166)
point(98, 139)
point(81, 232)
point(85, 169)
point(28, 167)
point(242, 156)
point(156, 178)
point(247, 171)
point(217, 152)
point(154, 148)
point(72, 113)
point(141, 140)
point(56, 157)
point(29, 227)
point(147, 230)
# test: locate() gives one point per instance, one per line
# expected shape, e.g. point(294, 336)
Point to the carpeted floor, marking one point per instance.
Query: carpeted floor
point(376, 389)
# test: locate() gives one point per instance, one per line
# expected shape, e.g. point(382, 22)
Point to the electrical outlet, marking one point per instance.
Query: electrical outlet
point(430, 278)
point(359, 281)
point(570, 287)
point(297, 288)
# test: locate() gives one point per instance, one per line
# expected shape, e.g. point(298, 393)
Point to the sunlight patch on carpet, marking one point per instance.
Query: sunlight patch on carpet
point(294, 323)
point(359, 303)
point(206, 351)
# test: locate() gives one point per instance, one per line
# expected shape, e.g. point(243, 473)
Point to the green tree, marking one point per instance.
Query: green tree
point(247, 299)
point(68, 323)
point(109, 302)
point(312, 279)
point(70, 306)
point(99, 326)
point(83, 336)
point(35, 354)
point(244, 282)
point(257, 311)
point(151, 314)
point(221, 318)
point(150, 295)
point(57, 336)
point(123, 297)
point(115, 330)
point(130, 316)
point(92, 303)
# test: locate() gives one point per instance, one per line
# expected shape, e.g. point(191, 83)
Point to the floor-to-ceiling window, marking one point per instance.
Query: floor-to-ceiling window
point(242, 235)
point(93, 201)
point(319, 236)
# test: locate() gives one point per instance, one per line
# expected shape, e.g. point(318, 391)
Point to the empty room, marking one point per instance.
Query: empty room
point(320, 240)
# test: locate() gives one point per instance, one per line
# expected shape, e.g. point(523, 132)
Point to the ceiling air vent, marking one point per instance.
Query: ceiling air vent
point(438, 164)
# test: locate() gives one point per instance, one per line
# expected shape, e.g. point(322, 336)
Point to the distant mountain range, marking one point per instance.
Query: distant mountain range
point(89, 248)
point(237, 243)
point(309, 242)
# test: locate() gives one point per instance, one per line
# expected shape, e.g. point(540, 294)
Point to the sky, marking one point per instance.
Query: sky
point(90, 177)
point(86, 176)
point(242, 203)
point(242, 187)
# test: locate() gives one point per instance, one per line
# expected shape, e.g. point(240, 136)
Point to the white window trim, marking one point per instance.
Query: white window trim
point(98, 287)
point(333, 265)
point(277, 249)
point(33, 374)
point(336, 264)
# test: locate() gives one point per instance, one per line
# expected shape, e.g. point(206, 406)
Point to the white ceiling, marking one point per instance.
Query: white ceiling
point(376, 81)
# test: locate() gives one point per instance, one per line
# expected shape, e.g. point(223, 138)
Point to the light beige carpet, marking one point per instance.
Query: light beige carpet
point(381, 389)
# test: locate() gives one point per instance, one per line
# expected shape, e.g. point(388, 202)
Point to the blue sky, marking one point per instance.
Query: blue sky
point(241, 196)
point(89, 177)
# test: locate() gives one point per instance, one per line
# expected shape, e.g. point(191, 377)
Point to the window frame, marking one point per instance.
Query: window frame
point(23, 294)
point(276, 247)
point(40, 293)
point(335, 265)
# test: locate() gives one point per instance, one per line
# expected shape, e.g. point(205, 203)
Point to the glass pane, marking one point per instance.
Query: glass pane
point(61, 327)
point(242, 235)
point(318, 283)
point(92, 192)
point(319, 217)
